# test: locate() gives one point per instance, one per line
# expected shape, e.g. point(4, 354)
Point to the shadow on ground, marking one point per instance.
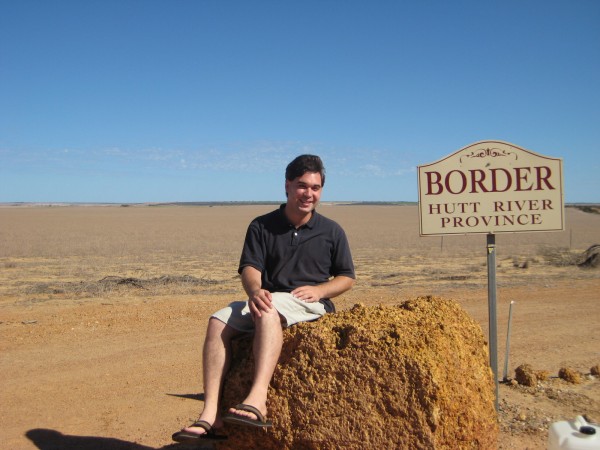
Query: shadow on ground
point(199, 397)
point(45, 439)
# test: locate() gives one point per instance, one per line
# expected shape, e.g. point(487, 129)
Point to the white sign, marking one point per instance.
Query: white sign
point(491, 187)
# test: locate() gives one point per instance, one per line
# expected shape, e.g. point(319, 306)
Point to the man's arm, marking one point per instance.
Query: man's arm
point(334, 287)
point(258, 299)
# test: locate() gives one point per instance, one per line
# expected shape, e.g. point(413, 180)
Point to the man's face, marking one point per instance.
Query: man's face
point(304, 193)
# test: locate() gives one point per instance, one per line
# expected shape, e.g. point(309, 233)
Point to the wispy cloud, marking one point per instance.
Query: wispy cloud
point(359, 162)
point(374, 170)
point(255, 157)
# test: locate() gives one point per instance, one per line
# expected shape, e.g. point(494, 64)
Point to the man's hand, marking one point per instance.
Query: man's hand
point(259, 300)
point(332, 288)
point(308, 294)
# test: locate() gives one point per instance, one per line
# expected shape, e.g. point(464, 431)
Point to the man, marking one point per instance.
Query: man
point(293, 262)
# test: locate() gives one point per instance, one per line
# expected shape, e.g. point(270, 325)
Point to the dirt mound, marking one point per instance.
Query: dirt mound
point(591, 257)
point(525, 375)
point(415, 375)
point(569, 375)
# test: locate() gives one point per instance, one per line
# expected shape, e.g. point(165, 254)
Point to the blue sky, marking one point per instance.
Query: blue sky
point(152, 101)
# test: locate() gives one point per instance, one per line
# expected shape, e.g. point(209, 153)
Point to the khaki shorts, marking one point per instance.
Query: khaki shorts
point(237, 314)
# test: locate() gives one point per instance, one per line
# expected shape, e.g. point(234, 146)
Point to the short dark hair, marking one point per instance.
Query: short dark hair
point(305, 163)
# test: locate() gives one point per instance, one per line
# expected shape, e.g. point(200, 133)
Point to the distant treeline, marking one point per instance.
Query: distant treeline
point(385, 203)
point(588, 208)
point(213, 203)
point(272, 203)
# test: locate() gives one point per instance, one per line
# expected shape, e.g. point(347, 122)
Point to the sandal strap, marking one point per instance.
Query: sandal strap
point(202, 424)
point(251, 409)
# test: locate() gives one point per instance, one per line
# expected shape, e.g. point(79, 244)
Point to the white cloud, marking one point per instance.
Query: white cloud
point(403, 171)
point(259, 157)
point(374, 170)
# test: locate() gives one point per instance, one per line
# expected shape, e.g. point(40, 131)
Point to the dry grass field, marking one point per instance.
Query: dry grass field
point(103, 309)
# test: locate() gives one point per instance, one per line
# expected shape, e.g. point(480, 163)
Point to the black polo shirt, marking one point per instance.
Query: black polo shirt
point(289, 258)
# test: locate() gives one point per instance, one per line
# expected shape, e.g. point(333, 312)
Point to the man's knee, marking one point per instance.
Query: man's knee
point(215, 324)
point(270, 316)
point(219, 329)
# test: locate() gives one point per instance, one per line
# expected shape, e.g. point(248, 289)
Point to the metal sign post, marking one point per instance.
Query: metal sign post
point(493, 329)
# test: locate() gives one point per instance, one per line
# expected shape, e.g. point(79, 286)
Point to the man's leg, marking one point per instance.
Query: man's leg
point(268, 340)
point(215, 362)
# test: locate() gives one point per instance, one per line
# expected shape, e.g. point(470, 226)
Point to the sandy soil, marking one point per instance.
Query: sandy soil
point(98, 352)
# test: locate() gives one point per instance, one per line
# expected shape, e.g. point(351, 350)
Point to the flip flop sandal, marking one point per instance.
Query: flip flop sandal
point(189, 437)
point(260, 421)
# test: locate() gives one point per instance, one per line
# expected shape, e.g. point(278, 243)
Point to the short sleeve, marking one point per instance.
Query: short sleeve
point(253, 252)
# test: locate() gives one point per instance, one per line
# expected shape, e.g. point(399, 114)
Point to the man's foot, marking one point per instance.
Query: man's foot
point(200, 430)
point(244, 414)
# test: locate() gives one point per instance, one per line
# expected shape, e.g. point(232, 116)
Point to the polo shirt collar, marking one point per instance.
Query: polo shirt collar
point(310, 224)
